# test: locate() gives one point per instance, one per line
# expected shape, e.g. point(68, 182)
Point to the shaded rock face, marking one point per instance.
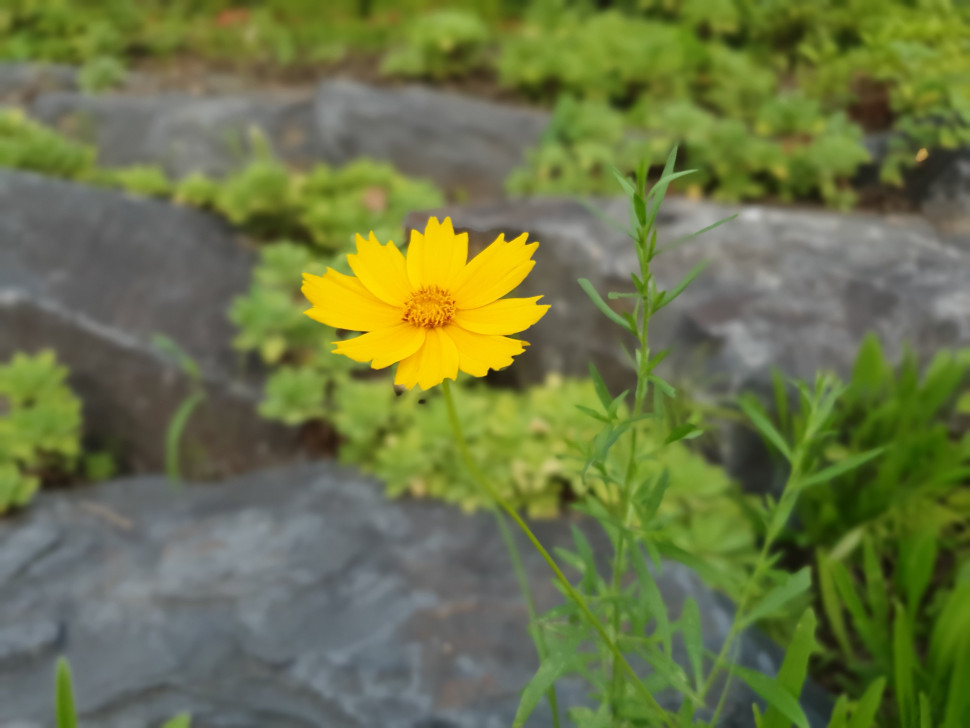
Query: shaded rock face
point(465, 145)
point(94, 275)
point(945, 195)
point(786, 288)
point(181, 133)
point(292, 598)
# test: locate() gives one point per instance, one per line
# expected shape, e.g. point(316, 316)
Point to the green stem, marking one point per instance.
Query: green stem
point(759, 567)
point(537, 636)
point(577, 598)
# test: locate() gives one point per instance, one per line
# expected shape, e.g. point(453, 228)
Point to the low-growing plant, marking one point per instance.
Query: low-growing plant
point(885, 520)
point(29, 146)
point(40, 426)
point(439, 45)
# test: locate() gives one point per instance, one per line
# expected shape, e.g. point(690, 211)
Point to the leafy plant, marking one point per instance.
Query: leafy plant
point(442, 44)
point(887, 503)
point(40, 426)
point(29, 146)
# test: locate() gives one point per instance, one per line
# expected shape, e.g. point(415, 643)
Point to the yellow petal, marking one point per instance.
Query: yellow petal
point(382, 270)
point(508, 316)
point(343, 302)
point(434, 362)
point(437, 257)
point(384, 346)
point(477, 353)
point(494, 272)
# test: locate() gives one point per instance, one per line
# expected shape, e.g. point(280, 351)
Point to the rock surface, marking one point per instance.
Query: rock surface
point(95, 274)
point(465, 145)
point(181, 133)
point(292, 598)
point(788, 288)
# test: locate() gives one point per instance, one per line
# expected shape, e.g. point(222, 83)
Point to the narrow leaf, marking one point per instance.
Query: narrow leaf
point(794, 586)
point(182, 720)
point(775, 695)
point(690, 627)
point(551, 669)
point(904, 668)
point(602, 392)
point(598, 301)
point(843, 466)
point(66, 713)
point(791, 675)
point(865, 711)
point(669, 296)
point(754, 412)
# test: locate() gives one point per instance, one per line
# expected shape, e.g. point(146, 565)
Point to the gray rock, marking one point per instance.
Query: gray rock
point(793, 289)
point(95, 274)
point(465, 145)
point(181, 133)
point(21, 82)
point(295, 598)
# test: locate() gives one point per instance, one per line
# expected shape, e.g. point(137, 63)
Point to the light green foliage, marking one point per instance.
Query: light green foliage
point(40, 426)
point(525, 443)
point(101, 74)
point(29, 146)
point(326, 206)
point(607, 56)
point(443, 44)
point(921, 56)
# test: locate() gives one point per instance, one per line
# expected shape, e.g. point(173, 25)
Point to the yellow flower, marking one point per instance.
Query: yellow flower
point(434, 312)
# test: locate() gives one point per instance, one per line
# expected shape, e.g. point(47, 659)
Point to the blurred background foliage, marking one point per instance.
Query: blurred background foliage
point(770, 98)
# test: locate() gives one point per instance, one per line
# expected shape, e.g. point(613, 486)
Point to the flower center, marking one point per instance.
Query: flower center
point(429, 307)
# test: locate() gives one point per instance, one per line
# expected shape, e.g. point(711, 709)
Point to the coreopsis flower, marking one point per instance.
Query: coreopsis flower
point(433, 312)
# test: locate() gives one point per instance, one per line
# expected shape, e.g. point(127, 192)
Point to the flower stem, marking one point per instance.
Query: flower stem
point(496, 498)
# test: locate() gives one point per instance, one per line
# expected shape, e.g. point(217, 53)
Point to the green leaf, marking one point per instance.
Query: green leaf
point(775, 695)
point(652, 598)
point(598, 301)
point(602, 392)
point(875, 587)
point(182, 720)
point(840, 713)
point(551, 669)
point(690, 627)
point(626, 184)
point(917, 559)
point(904, 668)
point(794, 586)
point(843, 466)
point(832, 605)
point(865, 711)
point(66, 714)
point(755, 413)
point(925, 712)
point(685, 431)
point(669, 296)
point(173, 434)
point(793, 670)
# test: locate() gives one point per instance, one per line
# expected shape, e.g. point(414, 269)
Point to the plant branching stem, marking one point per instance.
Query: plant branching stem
point(577, 598)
